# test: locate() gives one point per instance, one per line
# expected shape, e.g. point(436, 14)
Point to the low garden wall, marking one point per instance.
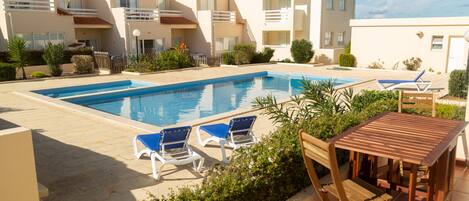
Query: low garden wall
point(67, 69)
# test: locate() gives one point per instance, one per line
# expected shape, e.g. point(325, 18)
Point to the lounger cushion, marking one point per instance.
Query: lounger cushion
point(150, 141)
point(395, 81)
point(217, 130)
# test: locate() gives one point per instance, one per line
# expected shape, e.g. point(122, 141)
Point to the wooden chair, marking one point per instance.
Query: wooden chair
point(314, 149)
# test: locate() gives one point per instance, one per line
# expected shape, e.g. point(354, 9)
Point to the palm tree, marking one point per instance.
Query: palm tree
point(18, 54)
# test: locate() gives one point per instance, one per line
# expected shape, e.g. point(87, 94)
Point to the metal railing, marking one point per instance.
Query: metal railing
point(170, 13)
point(81, 11)
point(274, 16)
point(224, 16)
point(28, 5)
point(141, 14)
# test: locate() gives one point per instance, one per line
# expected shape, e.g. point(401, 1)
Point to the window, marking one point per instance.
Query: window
point(437, 42)
point(40, 40)
point(276, 38)
point(340, 38)
point(342, 5)
point(149, 46)
point(225, 44)
point(330, 4)
point(276, 4)
point(328, 38)
point(206, 4)
point(127, 3)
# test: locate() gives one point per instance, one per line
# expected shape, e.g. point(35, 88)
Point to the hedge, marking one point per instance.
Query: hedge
point(273, 169)
point(347, 60)
point(457, 84)
point(302, 51)
point(35, 56)
point(7, 72)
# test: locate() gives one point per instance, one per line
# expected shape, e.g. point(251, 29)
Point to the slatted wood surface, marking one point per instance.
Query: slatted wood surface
point(410, 138)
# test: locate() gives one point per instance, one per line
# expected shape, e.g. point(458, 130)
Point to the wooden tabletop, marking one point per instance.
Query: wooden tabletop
point(410, 138)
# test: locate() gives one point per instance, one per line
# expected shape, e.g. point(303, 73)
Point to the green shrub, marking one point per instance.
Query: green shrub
point(457, 85)
point(302, 51)
point(243, 53)
point(17, 53)
point(83, 64)
point(287, 60)
point(273, 168)
point(444, 111)
point(141, 67)
point(35, 56)
point(347, 60)
point(54, 57)
point(173, 59)
point(227, 58)
point(263, 57)
point(7, 72)
point(348, 48)
point(370, 96)
point(38, 74)
point(413, 63)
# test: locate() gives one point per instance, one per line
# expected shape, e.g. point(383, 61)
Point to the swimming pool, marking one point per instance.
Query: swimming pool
point(175, 103)
point(92, 88)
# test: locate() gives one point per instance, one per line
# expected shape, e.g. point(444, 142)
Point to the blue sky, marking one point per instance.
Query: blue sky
point(411, 8)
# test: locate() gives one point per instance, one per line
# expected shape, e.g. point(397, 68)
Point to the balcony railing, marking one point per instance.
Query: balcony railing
point(81, 11)
point(170, 13)
point(29, 5)
point(141, 14)
point(276, 16)
point(224, 16)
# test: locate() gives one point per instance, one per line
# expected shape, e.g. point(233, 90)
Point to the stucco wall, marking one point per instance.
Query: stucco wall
point(394, 40)
point(336, 21)
point(17, 170)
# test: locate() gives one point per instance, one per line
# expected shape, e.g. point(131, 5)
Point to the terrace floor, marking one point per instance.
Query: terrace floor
point(85, 157)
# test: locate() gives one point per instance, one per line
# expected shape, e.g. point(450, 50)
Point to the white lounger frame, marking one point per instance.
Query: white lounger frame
point(187, 155)
point(230, 142)
point(416, 84)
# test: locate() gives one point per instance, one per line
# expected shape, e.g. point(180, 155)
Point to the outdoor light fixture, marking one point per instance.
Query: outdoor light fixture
point(136, 33)
point(420, 34)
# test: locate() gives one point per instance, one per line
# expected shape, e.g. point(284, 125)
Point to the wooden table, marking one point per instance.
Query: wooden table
point(413, 139)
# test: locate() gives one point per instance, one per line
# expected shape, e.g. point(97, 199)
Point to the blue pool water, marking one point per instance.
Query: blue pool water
point(91, 88)
point(171, 104)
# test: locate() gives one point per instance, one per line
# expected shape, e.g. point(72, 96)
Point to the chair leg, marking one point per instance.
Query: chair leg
point(136, 152)
point(154, 168)
point(223, 153)
point(464, 145)
point(199, 138)
point(201, 164)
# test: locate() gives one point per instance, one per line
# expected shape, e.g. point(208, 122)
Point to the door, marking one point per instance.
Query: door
point(456, 54)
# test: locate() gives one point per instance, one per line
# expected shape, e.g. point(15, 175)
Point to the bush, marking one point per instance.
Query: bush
point(35, 56)
point(17, 53)
point(347, 60)
point(287, 60)
point(243, 53)
point(273, 168)
point(227, 58)
point(376, 65)
point(38, 75)
point(141, 67)
point(413, 63)
point(173, 59)
point(457, 84)
point(54, 57)
point(7, 72)
point(302, 51)
point(348, 48)
point(263, 57)
point(83, 64)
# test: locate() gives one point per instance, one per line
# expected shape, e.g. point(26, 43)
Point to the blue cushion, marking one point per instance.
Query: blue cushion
point(175, 135)
point(395, 81)
point(151, 141)
point(217, 130)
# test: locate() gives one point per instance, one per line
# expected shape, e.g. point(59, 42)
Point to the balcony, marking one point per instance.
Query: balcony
point(28, 5)
point(83, 12)
point(277, 16)
point(170, 13)
point(141, 14)
point(223, 16)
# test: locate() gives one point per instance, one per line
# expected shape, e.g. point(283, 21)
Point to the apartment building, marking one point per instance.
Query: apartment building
point(208, 27)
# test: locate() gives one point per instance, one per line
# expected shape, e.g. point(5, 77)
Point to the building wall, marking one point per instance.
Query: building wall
point(393, 40)
point(17, 170)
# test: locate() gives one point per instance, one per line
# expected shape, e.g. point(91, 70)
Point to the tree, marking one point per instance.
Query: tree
point(18, 54)
point(302, 51)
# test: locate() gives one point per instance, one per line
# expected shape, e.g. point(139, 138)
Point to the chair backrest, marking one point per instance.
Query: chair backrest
point(419, 76)
point(242, 125)
point(316, 150)
point(417, 100)
point(175, 138)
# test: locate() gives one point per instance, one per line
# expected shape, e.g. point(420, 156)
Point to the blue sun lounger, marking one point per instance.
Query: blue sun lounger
point(169, 147)
point(235, 135)
point(418, 83)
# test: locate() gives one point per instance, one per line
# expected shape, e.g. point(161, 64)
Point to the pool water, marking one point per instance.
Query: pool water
point(92, 88)
point(171, 104)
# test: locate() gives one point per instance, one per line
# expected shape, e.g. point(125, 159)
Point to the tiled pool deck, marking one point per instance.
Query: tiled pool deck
point(84, 157)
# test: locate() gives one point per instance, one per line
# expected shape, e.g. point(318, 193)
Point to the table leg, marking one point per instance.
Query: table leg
point(442, 175)
point(355, 158)
point(390, 175)
point(452, 164)
point(431, 183)
point(412, 182)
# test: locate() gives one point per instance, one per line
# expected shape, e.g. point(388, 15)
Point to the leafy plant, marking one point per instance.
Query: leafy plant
point(18, 54)
point(287, 60)
point(264, 56)
point(173, 59)
point(227, 58)
point(376, 65)
point(141, 67)
point(243, 53)
point(348, 48)
point(38, 74)
point(413, 63)
point(83, 64)
point(54, 57)
point(7, 72)
point(302, 51)
point(457, 84)
point(347, 60)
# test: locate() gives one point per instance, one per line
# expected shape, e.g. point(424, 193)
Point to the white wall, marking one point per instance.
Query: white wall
point(394, 40)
